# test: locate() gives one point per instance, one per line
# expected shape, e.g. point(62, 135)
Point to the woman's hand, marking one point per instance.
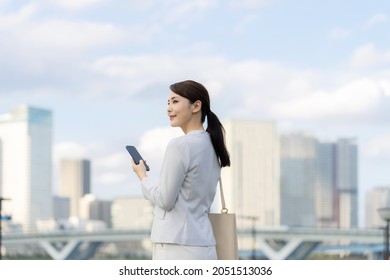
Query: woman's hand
point(139, 169)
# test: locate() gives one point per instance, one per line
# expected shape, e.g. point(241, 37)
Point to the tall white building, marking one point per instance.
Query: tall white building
point(75, 177)
point(378, 197)
point(252, 182)
point(26, 164)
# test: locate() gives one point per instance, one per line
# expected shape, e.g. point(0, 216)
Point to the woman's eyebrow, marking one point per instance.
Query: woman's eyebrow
point(172, 98)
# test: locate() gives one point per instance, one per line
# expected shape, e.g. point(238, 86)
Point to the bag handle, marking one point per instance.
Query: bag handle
point(224, 210)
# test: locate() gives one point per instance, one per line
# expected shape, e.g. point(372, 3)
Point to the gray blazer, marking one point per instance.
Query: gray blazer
point(185, 192)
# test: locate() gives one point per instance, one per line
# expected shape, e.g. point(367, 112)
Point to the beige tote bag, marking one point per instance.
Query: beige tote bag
point(225, 231)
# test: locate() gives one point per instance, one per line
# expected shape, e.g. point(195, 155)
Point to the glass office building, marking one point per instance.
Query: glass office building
point(319, 186)
point(337, 183)
point(26, 164)
point(297, 159)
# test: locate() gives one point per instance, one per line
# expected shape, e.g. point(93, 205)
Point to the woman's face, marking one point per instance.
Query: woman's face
point(179, 110)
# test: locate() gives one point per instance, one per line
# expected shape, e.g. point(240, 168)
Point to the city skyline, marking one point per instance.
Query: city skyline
point(104, 68)
point(244, 139)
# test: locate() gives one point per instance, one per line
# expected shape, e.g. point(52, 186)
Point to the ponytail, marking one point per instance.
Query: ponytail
point(217, 135)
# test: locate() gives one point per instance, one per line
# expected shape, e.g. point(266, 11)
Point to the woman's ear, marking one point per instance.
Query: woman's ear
point(197, 106)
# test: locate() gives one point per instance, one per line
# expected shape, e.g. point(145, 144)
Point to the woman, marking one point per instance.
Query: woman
point(188, 179)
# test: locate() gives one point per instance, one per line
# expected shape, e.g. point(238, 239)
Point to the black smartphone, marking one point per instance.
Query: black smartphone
point(136, 156)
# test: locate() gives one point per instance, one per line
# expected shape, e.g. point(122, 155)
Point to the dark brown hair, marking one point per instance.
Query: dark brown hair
point(194, 91)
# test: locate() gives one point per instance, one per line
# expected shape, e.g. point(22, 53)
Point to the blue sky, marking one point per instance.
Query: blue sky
point(104, 68)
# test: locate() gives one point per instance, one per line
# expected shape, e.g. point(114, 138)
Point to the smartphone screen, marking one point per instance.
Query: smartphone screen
point(136, 156)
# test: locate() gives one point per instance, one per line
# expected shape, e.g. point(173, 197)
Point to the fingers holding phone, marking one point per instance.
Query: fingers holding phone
point(139, 169)
point(136, 156)
point(139, 165)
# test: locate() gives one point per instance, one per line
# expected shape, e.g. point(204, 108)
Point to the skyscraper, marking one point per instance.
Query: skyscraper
point(26, 166)
point(346, 182)
point(337, 184)
point(75, 181)
point(297, 159)
point(251, 183)
point(325, 186)
point(318, 182)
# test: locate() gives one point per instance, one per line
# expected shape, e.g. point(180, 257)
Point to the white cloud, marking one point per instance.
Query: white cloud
point(111, 168)
point(65, 150)
point(253, 88)
point(4, 2)
point(45, 52)
point(255, 83)
point(60, 35)
point(41, 45)
point(133, 73)
point(114, 168)
point(111, 178)
point(375, 19)
point(186, 13)
point(378, 148)
point(357, 97)
point(74, 5)
point(385, 85)
point(369, 55)
point(214, 87)
point(247, 4)
point(259, 85)
point(141, 6)
point(112, 161)
point(22, 16)
point(153, 142)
